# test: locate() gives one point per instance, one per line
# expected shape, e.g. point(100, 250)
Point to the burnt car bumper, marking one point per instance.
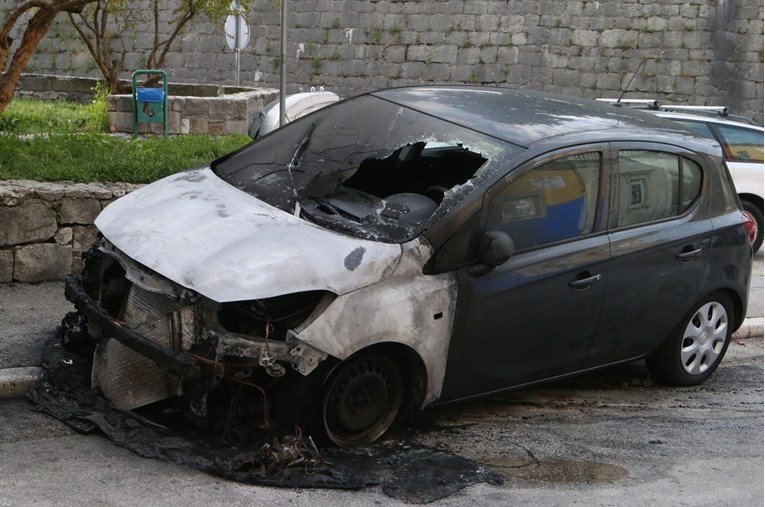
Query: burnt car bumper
point(177, 362)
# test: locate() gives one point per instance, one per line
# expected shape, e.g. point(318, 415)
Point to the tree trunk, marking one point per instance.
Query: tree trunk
point(37, 27)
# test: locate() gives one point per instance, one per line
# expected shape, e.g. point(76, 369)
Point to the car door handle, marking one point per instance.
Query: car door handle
point(688, 256)
point(583, 283)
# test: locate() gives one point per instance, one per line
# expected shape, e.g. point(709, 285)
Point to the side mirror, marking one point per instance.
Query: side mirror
point(496, 247)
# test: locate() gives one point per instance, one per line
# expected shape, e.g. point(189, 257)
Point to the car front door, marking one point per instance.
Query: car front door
point(533, 316)
point(660, 232)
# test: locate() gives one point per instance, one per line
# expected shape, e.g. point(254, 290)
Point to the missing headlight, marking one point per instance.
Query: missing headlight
point(271, 317)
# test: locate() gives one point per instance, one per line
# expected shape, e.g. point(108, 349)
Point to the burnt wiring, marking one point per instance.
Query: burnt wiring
point(266, 414)
point(228, 376)
point(291, 452)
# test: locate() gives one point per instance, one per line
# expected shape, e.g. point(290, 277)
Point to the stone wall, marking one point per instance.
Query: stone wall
point(192, 108)
point(47, 226)
point(703, 52)
point(231, 113)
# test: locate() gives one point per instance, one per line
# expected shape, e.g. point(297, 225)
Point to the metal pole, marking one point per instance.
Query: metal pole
point(237, 36)
point(238, 66)
point(283, 68)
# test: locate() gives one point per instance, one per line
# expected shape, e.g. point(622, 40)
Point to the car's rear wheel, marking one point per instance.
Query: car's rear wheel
point(362, 400)
point(755, 213)
point(696, 347)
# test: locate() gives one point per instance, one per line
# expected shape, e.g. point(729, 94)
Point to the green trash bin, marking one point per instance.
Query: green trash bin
point(149, 104)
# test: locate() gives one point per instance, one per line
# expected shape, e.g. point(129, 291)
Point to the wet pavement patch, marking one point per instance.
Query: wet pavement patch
point(409, 473)
point(558, 471)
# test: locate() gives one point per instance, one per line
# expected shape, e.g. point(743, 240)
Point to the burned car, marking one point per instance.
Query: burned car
point(415, 246)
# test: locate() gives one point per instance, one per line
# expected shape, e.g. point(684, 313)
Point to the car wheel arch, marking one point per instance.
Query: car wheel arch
point(408, 359)
point(753, 198)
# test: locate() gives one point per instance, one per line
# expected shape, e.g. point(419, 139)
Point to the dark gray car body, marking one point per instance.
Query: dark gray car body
point(440, 243)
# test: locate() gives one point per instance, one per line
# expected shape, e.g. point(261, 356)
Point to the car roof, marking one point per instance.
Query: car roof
point(706, 119)
point(521, 117)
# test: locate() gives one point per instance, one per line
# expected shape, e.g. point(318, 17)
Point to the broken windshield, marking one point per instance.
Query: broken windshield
point(365, 167)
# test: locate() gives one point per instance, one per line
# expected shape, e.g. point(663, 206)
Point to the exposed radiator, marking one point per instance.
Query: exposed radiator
point(126, 378)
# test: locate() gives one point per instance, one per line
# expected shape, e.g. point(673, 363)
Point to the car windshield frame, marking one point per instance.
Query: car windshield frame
point(361, 167)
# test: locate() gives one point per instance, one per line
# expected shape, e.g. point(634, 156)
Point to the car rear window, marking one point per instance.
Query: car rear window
point(654, 185)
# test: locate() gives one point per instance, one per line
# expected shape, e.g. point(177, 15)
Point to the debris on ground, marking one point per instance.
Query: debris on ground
point(266, 457)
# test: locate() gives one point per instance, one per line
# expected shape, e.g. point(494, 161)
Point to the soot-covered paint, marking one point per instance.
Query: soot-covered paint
point(353, 259)
point(230, 246)
point(407, 308)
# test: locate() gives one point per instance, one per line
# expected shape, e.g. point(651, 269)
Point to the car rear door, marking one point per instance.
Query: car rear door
point(534, 316)
point(660, 233)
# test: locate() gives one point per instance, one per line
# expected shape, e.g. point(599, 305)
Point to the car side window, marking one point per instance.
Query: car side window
point(654, 185)
point(741, 144)
point(552, 202)
point(701, 128)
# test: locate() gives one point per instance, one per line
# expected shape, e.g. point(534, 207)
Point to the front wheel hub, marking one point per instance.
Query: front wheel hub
point(362, 400)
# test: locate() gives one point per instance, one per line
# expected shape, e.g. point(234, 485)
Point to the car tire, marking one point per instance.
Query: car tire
point(697, 345)
point(755, 213)
point(362, 399)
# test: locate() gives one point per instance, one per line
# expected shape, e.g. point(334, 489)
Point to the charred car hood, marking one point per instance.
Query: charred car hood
point(208, 236)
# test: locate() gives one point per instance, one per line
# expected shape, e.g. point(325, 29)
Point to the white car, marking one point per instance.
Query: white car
point(742, 145)
point(297, 106)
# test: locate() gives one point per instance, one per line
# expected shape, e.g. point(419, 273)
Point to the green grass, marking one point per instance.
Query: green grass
point(54, 141)
point(34, 116)
point(100, 157)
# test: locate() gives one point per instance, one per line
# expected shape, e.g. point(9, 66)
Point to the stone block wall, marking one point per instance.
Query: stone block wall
point(225, 114)
point(192, 108)
point(696, 51)
point(45, 227)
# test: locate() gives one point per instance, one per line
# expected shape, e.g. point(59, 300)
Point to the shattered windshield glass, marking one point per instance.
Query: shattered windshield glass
point(365, 167)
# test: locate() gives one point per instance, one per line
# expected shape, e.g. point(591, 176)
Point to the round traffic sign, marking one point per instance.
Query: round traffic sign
point(233, 39)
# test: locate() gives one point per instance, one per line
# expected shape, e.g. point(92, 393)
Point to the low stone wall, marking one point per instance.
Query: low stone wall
point(227, 113)
point(45, 227)
point(192, 108)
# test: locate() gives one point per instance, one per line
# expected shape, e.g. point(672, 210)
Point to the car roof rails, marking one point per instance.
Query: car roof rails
point(651, 104)
point(655, 105)
point(721, 111)
point(715, 110)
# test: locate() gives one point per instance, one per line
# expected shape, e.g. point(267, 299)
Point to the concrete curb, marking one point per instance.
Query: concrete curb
point(15, 382)
point(751, 328)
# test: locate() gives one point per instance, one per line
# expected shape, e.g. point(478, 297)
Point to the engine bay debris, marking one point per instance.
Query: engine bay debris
point(277, 457)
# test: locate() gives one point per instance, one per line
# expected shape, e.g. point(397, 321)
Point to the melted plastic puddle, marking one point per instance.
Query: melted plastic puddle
point(412, 474)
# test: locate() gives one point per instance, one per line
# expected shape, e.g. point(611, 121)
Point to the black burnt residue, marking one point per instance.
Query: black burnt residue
point(221, 211)
point(425, 475)
point(353, 259)
point(271, 457)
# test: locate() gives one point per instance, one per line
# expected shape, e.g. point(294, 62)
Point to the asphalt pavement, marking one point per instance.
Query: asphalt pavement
point(29, 313)
point(604, 439)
